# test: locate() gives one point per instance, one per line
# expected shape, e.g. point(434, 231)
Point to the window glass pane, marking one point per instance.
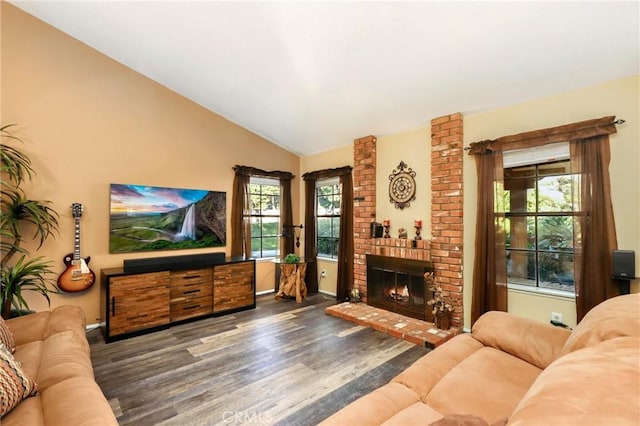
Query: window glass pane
point(521, 195)
point(554, 194)
point(270, 226)
point(555, 233)
point(521, 267)
point(520, 172)
point(256, 227)
point(324, 227)
point(559, 168)
point(324, 247)
point(520, 232)
point(269, 246)
point(256, 247)
point(556, 270)
point(335, 227)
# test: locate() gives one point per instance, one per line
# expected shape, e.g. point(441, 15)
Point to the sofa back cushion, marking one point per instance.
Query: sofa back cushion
point(615, 317)
point(532, 341)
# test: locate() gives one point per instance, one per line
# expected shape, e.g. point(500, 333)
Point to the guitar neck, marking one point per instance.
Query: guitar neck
point(76, 244)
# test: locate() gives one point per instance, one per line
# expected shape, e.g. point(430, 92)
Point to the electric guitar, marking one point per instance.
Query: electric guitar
point(77, 276)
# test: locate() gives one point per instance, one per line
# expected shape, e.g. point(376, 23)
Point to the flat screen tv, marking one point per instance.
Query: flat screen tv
point(148, 218)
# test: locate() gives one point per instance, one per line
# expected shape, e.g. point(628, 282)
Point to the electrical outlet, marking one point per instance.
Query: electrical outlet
point(556, 316)
point(323, 273)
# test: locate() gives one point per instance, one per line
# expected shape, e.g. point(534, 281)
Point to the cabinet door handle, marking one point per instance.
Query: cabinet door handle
point(191, 276)
point(191, 307)
point(191, 291)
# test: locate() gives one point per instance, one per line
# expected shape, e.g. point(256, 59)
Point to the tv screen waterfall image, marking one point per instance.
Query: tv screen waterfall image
point(145, 218)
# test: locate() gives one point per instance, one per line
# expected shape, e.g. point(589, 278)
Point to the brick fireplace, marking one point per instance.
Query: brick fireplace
point(444, 248)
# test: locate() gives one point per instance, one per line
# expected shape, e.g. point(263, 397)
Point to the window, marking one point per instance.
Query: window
point(539, 225)
point(328, 198)
point(264, 198)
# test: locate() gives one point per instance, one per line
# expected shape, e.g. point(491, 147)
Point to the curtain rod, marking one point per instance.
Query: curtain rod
point(618, 122)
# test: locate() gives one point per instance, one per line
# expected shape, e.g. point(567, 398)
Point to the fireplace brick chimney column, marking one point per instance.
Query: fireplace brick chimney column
point(364, 210)
point(446, 208)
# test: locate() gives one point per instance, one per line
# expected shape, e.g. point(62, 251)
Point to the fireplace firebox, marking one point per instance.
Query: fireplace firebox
point(397, 285)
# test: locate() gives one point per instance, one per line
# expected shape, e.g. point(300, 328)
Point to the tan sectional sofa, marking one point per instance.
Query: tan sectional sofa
point(53, 351)
point(515, 371)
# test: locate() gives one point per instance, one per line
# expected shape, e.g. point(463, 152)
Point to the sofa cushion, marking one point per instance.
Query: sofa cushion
point(76, 401)
point(376, 407)
point(29, 356)
point(64, 355)
point(6, 337)
point(488, 383)
point(597, 385)
point(427, 371)
point(615, 317)
point(14, 384)
point(533, 341)
point(418, 414)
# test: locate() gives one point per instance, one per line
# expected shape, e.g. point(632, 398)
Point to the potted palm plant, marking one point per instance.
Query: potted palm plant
point(18, 271)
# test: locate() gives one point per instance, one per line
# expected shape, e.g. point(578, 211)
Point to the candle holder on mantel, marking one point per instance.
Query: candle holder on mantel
point(387, 225)
point(418, 226)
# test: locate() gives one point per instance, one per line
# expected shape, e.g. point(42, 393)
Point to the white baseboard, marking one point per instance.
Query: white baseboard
point(92, 326)
point(260, 293)
point(327, 293)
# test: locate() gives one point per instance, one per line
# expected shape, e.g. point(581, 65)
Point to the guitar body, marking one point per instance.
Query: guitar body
point(77, 276)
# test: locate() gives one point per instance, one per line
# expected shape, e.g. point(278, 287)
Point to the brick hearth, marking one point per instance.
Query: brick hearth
point(418, 332)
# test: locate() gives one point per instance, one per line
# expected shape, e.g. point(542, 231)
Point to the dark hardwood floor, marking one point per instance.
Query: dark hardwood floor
point(283, 363)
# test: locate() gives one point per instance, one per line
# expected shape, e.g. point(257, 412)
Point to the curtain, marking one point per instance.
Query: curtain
point(310, 243)
point(490, 264)
point(240, 237)
point(286, 216)
point(345, 244)
point(594, 223)
point(345, 254)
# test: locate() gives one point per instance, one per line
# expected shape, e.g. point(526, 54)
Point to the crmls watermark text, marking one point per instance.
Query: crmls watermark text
point(246, 417)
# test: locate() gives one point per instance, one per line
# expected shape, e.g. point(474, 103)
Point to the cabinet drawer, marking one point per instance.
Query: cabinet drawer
point(190, 291)
point(190, 308)
point(179, 278)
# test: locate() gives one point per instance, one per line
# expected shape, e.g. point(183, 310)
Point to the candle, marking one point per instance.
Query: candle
point(418, 223)
point(386, 222)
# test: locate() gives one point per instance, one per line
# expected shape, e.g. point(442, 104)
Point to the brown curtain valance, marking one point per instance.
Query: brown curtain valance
point(565, 133)
point(327, 173)
point(252, 171)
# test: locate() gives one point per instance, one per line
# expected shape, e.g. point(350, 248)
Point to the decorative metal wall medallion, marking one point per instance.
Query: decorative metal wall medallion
point(402, 186)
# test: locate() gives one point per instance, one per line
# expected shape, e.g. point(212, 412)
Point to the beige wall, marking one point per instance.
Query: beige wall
point(339, 157)
point(414, 148)
point(619, 98)
point(90, 122)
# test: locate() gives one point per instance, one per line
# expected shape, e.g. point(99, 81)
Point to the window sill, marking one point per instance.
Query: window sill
point(519, 288)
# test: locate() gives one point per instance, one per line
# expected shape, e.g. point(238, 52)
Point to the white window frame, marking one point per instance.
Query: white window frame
point(526, 157)
point(255, 180)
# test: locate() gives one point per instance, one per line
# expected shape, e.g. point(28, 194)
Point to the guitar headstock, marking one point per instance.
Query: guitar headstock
point(76, 209)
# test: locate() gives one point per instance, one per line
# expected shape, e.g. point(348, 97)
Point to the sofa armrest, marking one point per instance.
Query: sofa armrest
point(535, 342)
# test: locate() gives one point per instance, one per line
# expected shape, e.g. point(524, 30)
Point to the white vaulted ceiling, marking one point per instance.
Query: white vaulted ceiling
point(312, 76)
